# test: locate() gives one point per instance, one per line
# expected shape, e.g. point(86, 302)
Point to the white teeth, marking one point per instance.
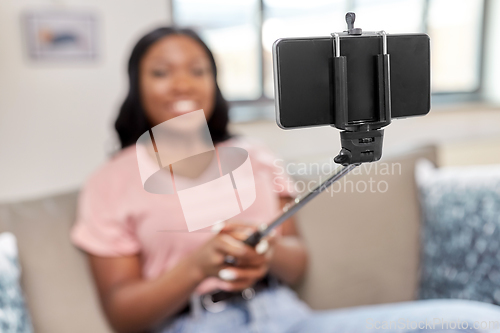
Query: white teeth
point(185, 106)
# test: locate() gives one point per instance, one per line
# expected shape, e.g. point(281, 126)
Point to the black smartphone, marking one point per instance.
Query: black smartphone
point(303, 78)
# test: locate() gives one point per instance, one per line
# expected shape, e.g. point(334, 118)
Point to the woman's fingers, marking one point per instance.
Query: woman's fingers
point(235, 274)
point(259, 255)
point(252, 259)
point(231, 246)
point(262, 246)
point(210, 257)
point(238, 230)
point(236, 279)
point(253, 256)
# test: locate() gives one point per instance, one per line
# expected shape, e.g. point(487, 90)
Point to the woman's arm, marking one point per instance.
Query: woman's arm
point(133, 304)
point(289, 258)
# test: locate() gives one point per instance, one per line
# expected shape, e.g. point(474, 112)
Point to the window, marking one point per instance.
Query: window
point(230, 29)
point(241, 34)
point(456, 31)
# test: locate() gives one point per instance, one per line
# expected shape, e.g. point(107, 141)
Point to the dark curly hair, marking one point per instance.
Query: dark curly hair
point(132, 122)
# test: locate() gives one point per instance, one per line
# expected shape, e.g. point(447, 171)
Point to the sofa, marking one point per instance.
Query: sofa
point(364, 248)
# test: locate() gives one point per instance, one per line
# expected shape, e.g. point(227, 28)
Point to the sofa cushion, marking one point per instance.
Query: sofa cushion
point(56, 279)
point(461, 234)
point(13, 314)
point(363, 235)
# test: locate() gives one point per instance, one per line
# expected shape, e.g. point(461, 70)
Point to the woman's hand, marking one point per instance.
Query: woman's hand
point(252, 263)
point(209, 258)
point(250, 267)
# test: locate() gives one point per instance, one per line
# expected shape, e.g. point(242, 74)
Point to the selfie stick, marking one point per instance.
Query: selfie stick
point(361, 141)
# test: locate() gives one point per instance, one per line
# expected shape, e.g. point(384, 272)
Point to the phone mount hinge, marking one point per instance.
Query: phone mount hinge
point(362, 140)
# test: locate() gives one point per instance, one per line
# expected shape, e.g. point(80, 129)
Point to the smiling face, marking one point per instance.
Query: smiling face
point(176, 77)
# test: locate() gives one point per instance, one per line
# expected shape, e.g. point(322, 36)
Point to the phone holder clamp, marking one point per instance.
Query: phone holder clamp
point(361, 140)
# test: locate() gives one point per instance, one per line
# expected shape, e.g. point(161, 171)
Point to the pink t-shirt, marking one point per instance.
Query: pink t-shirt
point(117, 217)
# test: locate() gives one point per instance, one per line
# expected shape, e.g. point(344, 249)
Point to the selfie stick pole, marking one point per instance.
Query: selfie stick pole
point(293, 207)
point(299, 202)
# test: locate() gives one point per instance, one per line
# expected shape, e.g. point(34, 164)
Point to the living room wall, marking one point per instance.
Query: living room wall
point(56, 116)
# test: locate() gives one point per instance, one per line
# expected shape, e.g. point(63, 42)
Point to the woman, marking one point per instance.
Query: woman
point(154, 275)
point(145, 276)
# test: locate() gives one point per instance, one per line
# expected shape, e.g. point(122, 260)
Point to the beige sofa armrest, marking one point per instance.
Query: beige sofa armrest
point(55, 277)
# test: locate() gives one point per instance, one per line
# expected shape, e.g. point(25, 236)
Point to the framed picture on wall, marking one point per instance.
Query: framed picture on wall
point(61, 35)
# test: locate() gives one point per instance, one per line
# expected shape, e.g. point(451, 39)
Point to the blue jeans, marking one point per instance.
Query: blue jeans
point(278, 310)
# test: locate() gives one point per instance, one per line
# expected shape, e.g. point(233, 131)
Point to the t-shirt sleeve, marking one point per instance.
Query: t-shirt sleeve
point(103, 227)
